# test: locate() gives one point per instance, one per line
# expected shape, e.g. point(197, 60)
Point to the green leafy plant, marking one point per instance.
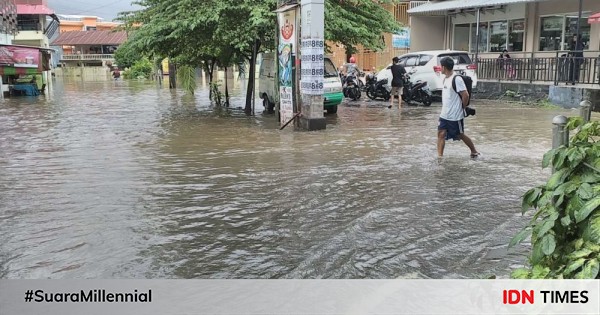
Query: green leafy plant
point(565, 228)
point(141, 69)
point(187, 77)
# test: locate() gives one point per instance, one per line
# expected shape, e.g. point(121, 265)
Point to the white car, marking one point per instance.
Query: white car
point(426, 67)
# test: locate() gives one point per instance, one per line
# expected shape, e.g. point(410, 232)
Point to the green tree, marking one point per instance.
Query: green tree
point(565, 229)
point(359, 23)
point(209, 33)
point(126, 55)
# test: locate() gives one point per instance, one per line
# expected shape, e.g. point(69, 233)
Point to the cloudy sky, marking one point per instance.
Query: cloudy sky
point(107, 9)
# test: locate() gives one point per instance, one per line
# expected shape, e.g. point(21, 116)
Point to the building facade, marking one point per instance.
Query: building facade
point(88, 53)
point(36, 23)
point(69, 23)
point(8, 21)
point(523, 27)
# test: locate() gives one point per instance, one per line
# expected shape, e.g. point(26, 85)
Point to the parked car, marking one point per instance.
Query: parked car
point(332, 85)
point(428, 68)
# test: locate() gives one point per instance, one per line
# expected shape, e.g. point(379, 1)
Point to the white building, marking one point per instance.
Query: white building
point(544, 27)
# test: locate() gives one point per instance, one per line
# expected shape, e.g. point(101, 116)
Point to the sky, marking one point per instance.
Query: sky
point(107, 9)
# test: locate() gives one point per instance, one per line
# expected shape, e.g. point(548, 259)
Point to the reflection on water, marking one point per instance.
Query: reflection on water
point(128, 180)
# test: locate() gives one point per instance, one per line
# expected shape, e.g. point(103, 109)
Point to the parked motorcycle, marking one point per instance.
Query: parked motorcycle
point(351, 87)
point(377, 89)
point(418, 91)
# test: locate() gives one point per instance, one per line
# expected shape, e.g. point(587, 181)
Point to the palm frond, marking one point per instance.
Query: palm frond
point(187, 77)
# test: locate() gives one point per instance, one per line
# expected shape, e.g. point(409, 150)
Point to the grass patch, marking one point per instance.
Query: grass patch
point(546, 103)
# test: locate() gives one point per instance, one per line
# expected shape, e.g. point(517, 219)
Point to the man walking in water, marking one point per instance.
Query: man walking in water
point(454, 100)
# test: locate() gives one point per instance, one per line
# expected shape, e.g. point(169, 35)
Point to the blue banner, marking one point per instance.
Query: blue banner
point(402, 38)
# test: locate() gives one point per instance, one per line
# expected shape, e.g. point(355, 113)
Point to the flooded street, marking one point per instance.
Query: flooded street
point(127, 180)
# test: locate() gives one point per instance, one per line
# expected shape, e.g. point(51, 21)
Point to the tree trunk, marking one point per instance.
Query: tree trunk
point(172, 76)
point(349, 52)
point(251, 78)
point(226, 89)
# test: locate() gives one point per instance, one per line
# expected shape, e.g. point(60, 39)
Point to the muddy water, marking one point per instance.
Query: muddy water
point(127, 180)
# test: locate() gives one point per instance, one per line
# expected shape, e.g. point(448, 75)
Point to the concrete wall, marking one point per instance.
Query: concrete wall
point(86, 74)
point(427, 33)
point(570, 97)
point(563, 96)
point(525, 92)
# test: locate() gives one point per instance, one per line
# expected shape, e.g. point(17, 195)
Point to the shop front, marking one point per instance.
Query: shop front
point(538, 35)
point(22, 69)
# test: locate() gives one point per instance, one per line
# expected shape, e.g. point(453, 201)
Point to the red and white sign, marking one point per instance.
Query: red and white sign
point(19, 57)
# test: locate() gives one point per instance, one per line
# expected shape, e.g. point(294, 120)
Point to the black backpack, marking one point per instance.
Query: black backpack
point(469, 85)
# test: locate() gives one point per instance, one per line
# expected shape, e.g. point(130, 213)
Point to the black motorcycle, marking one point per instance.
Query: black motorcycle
point(377, 89)
point(351, 87)
point(418, 91)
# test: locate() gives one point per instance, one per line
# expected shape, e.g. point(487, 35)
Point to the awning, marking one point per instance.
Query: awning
point(462, 4)
point(595, 18)
point(286, 8)
point(34, 9)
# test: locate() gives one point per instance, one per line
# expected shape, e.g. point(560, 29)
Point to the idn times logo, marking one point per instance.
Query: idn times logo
point(513, 297)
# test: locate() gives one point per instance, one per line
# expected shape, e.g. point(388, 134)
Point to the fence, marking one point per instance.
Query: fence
point(88, 57)
point(561, 68)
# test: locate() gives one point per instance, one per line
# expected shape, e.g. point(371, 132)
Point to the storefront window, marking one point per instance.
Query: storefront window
point(483, 37)
point(557, 31)
point(498, 34)
point(551, 33)
point(571, 31)
point(516, 35)
point(461, 37)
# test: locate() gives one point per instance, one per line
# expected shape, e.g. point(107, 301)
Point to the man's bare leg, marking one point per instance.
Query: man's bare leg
point(469, 143)
point(441, 142)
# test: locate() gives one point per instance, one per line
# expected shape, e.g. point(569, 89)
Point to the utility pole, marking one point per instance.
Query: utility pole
point(579, 23)
point(312, 64)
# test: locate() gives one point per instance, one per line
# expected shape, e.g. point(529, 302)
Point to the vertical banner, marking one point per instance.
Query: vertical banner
point(313, 63)
point(285, 52)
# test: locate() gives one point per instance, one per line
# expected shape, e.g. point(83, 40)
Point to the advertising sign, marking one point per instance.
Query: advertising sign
point(402, 38)
point(285, 51)
point(313, 63)
point(19, 57)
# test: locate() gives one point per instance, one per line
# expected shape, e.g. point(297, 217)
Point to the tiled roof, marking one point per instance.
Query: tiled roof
point(90, 38)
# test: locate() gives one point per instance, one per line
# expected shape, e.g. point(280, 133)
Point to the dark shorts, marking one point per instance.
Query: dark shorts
point(453, 128)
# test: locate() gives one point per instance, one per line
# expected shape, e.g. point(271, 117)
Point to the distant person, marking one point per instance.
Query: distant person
point(576, 53)
point(116, 73)
point(454, 103)
point(352, 67)
point(507, 65)
point(398, 73)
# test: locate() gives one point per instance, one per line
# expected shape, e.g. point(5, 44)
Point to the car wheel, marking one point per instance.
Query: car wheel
point(332, 109)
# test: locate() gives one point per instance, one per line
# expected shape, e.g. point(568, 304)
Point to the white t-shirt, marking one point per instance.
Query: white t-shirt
point(451, 101)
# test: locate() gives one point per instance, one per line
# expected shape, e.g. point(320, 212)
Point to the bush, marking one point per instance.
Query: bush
point(141, 69)
point(565, 229)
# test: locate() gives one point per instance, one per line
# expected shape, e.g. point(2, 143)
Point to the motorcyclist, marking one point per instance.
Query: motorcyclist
point(352, 68)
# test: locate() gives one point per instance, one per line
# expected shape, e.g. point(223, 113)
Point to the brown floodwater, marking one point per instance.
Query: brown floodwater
point(130, 180)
